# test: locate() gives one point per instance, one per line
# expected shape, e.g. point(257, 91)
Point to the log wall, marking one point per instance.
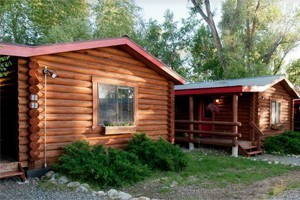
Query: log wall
point(70, 98)
point(276, 92)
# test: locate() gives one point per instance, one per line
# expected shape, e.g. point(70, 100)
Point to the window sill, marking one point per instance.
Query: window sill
point(114, 130)
point(276, 126)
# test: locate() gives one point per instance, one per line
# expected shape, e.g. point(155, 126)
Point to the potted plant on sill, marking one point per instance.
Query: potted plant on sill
point(111, 128)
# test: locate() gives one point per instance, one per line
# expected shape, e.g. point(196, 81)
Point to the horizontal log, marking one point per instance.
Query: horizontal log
point(67, 81)
point(151, 116)
point(63, 138)
point(209, 122)
point(108, 65)
point(34, 113)
point(66, 124)
point(67, 117)
point(67, 96)
point(33, 65)
point(67, 103)
point(66, 131)
point(22, 61)
point(115, 51)
point(22, 69)
point(153, 97)
point(91, 69)
point(68, 89)
point(152, 107)
point(152, 102)
point(151, 128)
point(66, 110)
point(23, 93)
point(209, 133)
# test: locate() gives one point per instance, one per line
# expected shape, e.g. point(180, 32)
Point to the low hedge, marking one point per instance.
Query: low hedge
point(100, 166)
point(113, 167)
point(158, 154)
point(287, 143)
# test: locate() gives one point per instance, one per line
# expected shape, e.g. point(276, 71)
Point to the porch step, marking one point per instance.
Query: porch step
point(11, 169)
point(255, 152)
point(251, 150)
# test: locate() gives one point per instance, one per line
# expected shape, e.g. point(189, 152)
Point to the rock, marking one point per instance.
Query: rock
point(99, 194)
point(81, 188)
point(49, 174)
point(62, 180)
point(85, 185)
point(276, 162)
point(73, 184)
point(173, 184)
point(113, 194)
point(124, 196)
point(269, 162)
point(143, 198)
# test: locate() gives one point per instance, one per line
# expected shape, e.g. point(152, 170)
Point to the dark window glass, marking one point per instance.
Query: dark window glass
point(115, 104)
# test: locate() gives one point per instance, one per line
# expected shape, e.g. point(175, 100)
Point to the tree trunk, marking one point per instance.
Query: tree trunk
point(210, 21)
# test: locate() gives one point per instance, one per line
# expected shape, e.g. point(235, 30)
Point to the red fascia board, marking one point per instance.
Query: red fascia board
point(297, 101)
point(136, 50)
point(220, 90)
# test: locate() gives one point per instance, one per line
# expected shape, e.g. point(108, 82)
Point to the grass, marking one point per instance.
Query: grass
point(219, 171)
point(281, 188)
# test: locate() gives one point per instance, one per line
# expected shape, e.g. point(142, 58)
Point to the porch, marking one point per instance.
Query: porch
point(218, 119)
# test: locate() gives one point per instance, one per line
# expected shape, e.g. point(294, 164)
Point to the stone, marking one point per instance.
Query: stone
point(143, 198)
point(124, 196)
point(269, 162)
point(49, 174)
point(173, 184)
point(85, 185)
point(81, 188)
point(276, 162)
point(62, 180)
point(113, 194)
point(73, 184)
point(100, 194)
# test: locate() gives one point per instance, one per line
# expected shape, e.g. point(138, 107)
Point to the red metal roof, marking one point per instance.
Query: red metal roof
point(256, 84)
point(124, 42)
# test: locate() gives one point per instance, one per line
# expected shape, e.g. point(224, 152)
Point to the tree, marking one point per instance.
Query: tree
point(115, 18)
point(255, 35)
point(208, 18)
point(293, 71)
point(164, 41)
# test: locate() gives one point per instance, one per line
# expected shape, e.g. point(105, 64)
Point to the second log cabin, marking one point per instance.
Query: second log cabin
point(239, 113)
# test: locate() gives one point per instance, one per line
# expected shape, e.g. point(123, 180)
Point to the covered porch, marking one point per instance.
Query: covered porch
point(218, 118)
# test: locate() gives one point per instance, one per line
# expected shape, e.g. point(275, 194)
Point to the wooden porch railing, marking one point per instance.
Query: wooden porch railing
point(257, 134)
point(233, 134)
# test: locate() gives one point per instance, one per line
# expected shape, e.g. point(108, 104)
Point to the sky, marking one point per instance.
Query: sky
point(155, 9)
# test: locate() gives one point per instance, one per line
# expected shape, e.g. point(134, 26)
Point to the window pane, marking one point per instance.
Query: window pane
point(273, 112)
point(115, 104)
point(107, 104)
point(278, 106)
point(125, 104)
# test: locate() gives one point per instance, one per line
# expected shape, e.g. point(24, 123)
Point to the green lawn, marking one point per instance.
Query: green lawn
point(219, 171)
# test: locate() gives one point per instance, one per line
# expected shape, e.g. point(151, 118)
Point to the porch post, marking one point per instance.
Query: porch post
point(191, 118)
point(235, 128)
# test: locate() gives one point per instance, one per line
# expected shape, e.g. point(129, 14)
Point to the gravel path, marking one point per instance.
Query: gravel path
point(11, 190)
point(287, 160)
point(288, 195)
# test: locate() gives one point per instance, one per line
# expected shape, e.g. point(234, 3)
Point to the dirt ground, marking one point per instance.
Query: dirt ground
point(258, 190)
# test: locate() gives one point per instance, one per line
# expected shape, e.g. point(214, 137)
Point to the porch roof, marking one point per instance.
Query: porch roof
point(255, 84)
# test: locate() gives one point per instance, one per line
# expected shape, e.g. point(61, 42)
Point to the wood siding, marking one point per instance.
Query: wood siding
point(70, 98)
point(23, 86)
point(276, 93)
point(225, 114)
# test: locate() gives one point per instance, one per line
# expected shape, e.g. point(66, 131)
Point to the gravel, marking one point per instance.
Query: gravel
point(287, 160)
point(11, 189)
point(288, 195)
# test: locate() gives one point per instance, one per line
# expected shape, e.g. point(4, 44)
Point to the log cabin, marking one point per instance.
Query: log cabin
point(238, 113)
point(297, 115)
point(101, 91)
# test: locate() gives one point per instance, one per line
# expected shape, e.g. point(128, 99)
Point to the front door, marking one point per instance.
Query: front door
point(204, 113)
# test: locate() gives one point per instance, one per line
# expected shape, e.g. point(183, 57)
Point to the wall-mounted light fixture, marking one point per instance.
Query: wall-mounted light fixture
point(53, 74)
point(217, 100)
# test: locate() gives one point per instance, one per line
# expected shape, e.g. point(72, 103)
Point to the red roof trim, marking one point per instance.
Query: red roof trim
point(29, 51)
point(220, 90)
point(297, 101)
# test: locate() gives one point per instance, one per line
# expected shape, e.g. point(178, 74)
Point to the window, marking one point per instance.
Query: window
point(275, 112)
point(115, 104)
